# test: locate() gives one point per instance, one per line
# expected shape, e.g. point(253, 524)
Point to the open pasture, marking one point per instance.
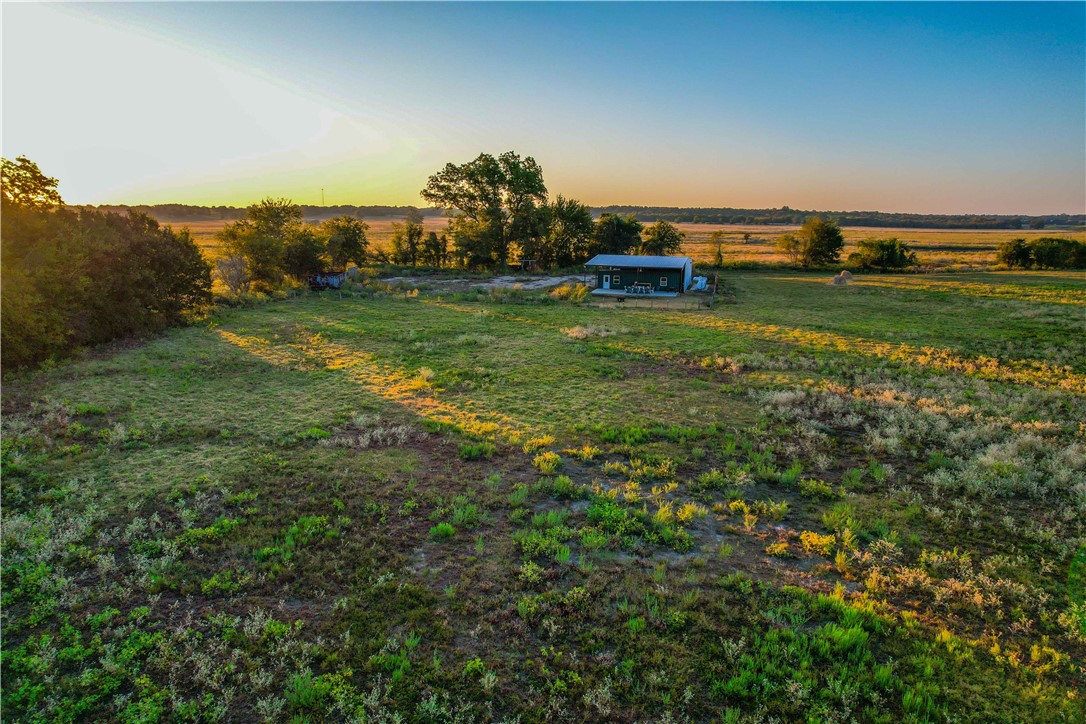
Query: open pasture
point(860, 503)
point(939, 248)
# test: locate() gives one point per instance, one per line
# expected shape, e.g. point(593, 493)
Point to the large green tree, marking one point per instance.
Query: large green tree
point(495, 202)
point(569, 233)
point(616, 234)
point(25, 186)
point(662, 238)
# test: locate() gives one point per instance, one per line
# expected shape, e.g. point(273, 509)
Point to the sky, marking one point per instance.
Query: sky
point(925, 107)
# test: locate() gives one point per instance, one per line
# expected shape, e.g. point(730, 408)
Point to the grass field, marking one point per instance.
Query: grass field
point(826, 504)
point(941, 248)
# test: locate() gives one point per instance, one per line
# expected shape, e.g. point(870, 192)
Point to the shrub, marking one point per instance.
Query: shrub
point(817, 488)
point(882, 254)
point(314, 433)
point(778, 550)
point(816, 543)
point(586, 453)
point(1045, 253)
point(563, 487)
point(477, 450)
point(535, 444)
point(442, 531)
point(547, 462)
point(306, 692)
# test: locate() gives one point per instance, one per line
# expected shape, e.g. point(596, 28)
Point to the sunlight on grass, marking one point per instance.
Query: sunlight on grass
point(1036, 374)
point(411, 390)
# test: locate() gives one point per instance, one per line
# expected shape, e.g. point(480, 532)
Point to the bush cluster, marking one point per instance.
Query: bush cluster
point(76, 278)
point(882, 254)
point(1046, 252)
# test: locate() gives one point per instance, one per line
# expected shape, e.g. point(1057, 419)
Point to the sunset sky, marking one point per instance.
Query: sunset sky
point(937, 108)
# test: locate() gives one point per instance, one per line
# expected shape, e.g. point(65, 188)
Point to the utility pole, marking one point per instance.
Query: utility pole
point(322, 197)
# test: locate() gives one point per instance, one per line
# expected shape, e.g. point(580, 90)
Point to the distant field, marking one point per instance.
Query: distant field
point(835, 504)
point(379, 233)
point(934, 247)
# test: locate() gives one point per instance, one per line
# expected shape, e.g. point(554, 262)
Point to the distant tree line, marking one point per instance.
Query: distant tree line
point(1043, 253)
point(188, 212)
point(787, 216)
point(649, 214)
point(79, 277)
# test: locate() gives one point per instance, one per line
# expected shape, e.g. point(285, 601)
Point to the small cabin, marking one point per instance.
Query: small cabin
point(628, 275)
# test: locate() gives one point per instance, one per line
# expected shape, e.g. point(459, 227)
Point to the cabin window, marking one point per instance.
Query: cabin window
point(616, 279)
point(663, 281)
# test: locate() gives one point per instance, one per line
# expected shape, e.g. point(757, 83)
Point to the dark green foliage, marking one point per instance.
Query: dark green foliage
point(820, 242)
point(616, 235)
point(1053, 253)
point(497, 201)
point(406, 243)
point(1015, 254)
point(303, 252)
point(568, 237)
point(662, 239)
point(435, 250)
point(75, 278)
point(1043, 253)
point(347, 240)
point(261, 238)
point(882, 254)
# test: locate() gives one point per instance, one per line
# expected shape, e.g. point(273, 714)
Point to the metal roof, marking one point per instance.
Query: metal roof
point(653, 262)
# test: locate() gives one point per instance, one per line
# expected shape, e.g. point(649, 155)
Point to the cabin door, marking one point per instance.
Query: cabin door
point(606, 281)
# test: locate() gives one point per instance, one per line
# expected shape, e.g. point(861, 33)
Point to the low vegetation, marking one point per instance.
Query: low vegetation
point(824, 504)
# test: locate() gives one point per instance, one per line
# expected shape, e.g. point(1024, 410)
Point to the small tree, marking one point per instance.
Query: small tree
point(435, 250)
point(790, 246)
point(233, 273)
point(821, 241)
point(406, 240)
point(717, 239)
point(1015, 254)
point(662, 238)
point(262, 237)
point(347, 240)
point(303, 252)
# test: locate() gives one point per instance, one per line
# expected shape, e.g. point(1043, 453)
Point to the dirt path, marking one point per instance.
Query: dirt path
point(504, 282)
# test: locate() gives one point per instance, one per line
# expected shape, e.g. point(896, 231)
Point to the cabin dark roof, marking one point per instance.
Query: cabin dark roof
point(652, 262)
